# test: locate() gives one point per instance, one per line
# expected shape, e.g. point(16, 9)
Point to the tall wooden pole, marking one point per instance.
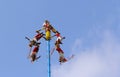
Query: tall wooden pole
point(49, 60)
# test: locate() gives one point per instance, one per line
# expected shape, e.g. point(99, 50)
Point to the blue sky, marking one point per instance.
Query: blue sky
point(88, 25)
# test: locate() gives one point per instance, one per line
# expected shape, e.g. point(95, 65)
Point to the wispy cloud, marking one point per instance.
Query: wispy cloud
point(101, 60)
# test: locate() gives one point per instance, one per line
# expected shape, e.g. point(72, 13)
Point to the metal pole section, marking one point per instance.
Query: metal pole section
point(49, 62)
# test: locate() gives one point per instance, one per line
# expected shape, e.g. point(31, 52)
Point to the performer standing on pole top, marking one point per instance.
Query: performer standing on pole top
point(48, 28)
point(47, 25)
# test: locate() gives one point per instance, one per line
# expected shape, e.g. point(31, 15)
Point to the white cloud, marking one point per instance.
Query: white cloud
point(102, 60)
